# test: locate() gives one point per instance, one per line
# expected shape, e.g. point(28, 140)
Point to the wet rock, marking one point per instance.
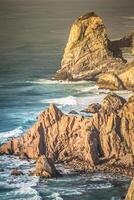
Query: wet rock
point(16, 172)
point(93, 108)
point(45, 168)
point(73, 112)
point(1, 170)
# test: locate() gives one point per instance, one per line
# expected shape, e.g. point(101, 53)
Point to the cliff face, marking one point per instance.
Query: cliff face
point(106, 138)
point(130, 194)
point(90, 55)
point(88, 51)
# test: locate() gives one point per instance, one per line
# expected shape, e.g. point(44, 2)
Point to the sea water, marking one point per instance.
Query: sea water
point(32, 38)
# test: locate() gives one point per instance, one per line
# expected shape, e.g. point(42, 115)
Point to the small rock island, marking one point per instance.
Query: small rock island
point(90, 55)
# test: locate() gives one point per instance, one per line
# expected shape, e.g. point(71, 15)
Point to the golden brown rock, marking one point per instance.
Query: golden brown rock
point(82, 142)
point(130, 194)
point(88, 51)
point(45, 168)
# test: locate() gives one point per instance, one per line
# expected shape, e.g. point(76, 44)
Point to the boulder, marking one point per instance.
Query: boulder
point(16, 172)
point(130, 194)
point(45, 168)
point(110, 81)
point(88, 51)
point(124, 80)
point(93, 108)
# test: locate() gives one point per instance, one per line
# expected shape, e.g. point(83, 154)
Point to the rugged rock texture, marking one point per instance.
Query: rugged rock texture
point(110, 81)
point(105, 140)
point(89, 51)
point(92, 108)
point(90, 55)
point(45, 168)
point(124, 80)
point(130, 194)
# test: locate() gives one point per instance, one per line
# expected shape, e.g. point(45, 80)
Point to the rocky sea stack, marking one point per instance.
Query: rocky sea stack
point(103, 142)
point(89, 53)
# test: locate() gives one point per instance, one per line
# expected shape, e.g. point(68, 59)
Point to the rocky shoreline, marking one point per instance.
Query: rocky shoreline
point(103, 142)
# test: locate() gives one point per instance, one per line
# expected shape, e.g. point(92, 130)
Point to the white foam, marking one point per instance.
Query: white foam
point(70, 100)
point(4, 136)
point(56, 196)
point(49, 81)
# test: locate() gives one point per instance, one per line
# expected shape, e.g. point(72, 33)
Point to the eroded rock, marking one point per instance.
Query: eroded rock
point(82, 142)
point(45, 168)
point(88, 52)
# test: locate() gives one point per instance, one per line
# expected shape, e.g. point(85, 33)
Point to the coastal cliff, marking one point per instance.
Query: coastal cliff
point(101, 142)
point(89, 55)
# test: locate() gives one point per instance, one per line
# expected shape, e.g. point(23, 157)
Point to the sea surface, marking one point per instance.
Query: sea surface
point(33, 35)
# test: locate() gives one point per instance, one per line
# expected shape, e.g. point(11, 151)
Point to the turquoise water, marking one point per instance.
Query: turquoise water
point(32, 38)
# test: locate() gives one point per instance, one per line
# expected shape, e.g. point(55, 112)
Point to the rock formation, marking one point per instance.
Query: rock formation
point(88, 52)
point(90, 55)
point(130, 194)
point(92, 108)
point(45, 168)
point(124, 80)
point(83, 143)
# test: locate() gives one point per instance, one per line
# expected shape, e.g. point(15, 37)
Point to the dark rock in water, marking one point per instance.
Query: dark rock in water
point(93, 108)
point(73, 112)
point(16, 172)
point(1, 170)
point(45, 168)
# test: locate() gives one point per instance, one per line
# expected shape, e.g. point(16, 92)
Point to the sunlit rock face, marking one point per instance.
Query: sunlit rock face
point(118, 81)
point(130, 194)
point(81, 142)
point(88, 51)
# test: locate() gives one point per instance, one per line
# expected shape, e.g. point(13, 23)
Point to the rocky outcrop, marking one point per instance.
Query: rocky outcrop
point(130, 194)
point(45, 168)
point(125, 80)
point(92, 108)
point(105, 139)
point(126, 42)
point(90, 55)
point(88, 52)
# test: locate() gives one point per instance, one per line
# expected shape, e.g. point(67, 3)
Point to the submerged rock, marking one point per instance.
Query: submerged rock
point(81, 142)
point(90, 55)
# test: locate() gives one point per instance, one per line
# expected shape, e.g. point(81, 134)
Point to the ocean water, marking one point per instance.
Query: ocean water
point(32, 38)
